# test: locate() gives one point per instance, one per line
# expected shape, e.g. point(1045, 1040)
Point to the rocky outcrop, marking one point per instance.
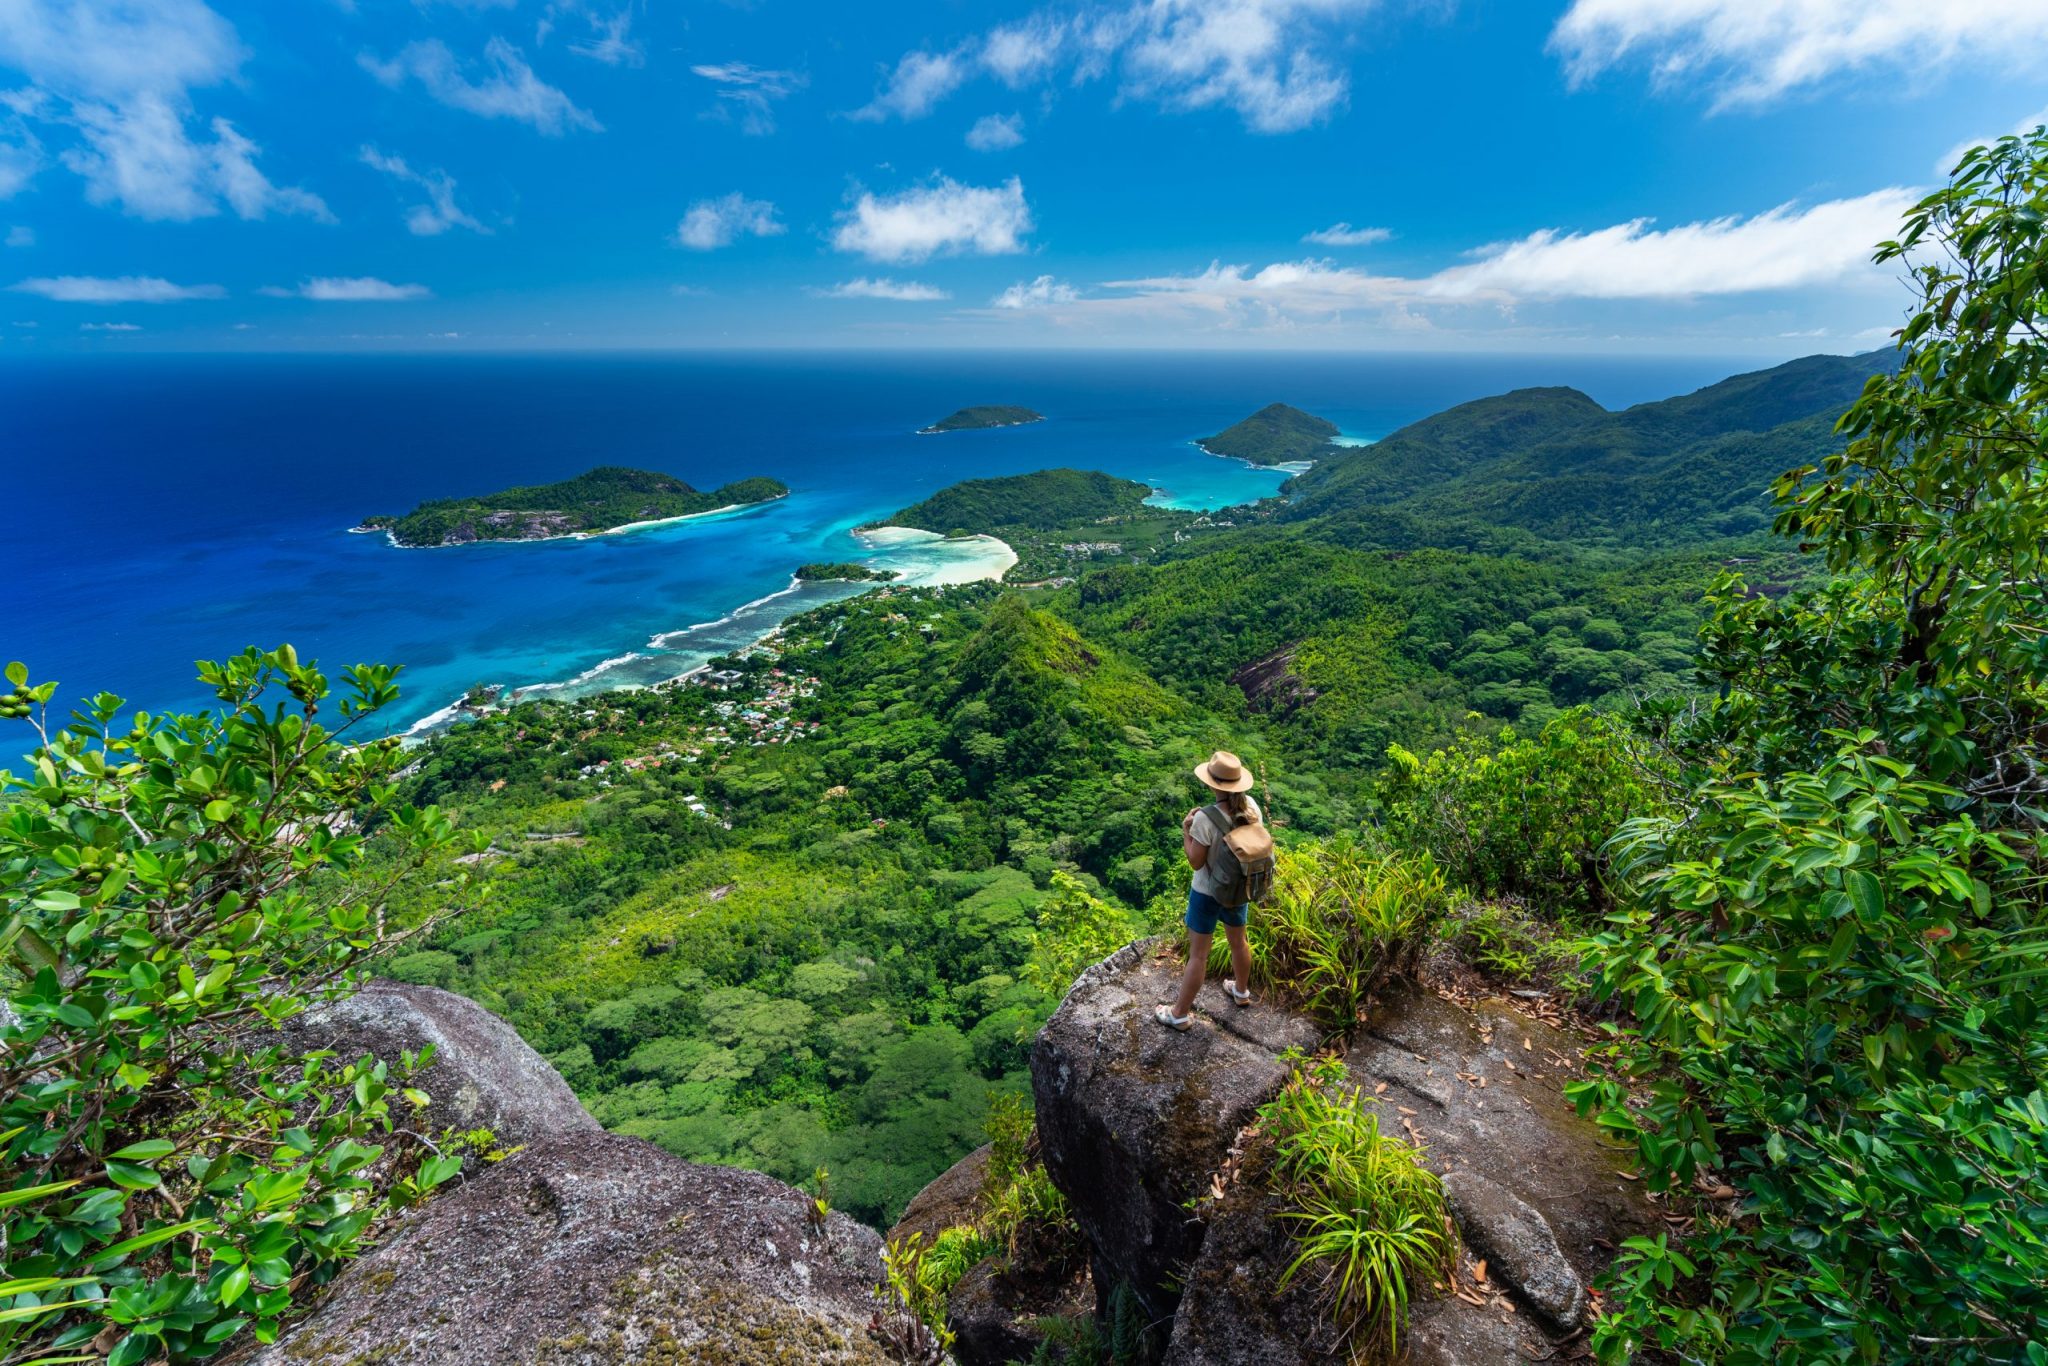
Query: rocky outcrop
point(599, 1249)
point(583, 1248)
point(483, 1075)
point(1534, 1190)
point(953, 1197)
point(1133, 1118)
point(1518, 1244)
point(1136, 1123)
point(1271, 684)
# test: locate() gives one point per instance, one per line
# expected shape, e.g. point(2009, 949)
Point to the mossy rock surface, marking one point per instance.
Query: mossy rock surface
point(599, 1250)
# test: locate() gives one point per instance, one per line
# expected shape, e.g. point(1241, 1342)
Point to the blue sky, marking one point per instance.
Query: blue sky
point(1691, 176)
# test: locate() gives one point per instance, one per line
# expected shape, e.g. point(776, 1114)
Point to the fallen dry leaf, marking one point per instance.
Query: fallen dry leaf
point(1479, 1270)
point(1406, 1111)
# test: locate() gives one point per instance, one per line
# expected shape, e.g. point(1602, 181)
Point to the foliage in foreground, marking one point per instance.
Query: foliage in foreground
point(1341, 923)
point(1525, 818)
point(1370, 1218)
point(1836, 952)
point(1018, 1202)
point(169, 1174)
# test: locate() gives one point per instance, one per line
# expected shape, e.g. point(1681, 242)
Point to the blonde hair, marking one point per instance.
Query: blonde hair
point(1236, 803)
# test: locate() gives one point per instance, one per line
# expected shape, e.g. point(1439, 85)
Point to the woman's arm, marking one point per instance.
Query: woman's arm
point(1197, 853)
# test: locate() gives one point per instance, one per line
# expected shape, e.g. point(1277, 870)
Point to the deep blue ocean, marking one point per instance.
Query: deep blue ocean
point(163, 509)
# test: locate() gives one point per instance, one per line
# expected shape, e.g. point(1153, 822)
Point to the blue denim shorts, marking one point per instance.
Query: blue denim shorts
point(1205, 913)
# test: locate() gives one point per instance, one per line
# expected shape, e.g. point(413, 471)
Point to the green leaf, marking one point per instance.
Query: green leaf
point(148, 1150)
point(30, 1193)
point(1865, 892)
point(233, 1287)
point(131, 1176)
point(149, 1239)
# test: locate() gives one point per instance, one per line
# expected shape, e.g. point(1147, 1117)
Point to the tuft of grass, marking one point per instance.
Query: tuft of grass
point(1340, 923)
point(1370, 1217)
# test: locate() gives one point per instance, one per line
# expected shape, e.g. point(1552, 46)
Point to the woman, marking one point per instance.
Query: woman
point(1230, 783)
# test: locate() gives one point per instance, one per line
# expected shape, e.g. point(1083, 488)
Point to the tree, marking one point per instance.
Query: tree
point(1835, 950)
point(169, 1172)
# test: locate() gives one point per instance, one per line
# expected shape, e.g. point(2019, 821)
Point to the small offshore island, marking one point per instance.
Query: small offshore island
point(977, 419)
point(609, 498)
point(1275, 435)
point(844, 572)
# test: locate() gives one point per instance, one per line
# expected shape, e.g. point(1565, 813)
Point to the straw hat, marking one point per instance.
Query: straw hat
point(1225, 772)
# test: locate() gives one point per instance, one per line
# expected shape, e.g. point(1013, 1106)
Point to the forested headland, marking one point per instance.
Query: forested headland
point(600, 500)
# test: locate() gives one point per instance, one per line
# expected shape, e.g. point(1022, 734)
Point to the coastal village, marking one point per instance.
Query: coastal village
point(763, 718)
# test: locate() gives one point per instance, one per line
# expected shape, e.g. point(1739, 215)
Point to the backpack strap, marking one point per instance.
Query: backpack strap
point(1220, 818)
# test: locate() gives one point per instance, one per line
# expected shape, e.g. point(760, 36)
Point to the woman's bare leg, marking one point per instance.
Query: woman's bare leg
point(1191, 980)
point(1240, 956)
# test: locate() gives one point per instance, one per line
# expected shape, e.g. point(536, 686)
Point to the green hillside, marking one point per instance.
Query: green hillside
point(1554, 464)
point(1275, 435)
point(602, 499)
point(1043, 500)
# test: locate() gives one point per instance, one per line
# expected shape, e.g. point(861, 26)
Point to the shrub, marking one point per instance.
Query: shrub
point(1018, 1201)
point(1369, 1216)
point(1340, 923)
point(1525, 817)
point(170, 1174)
point(1836, 955)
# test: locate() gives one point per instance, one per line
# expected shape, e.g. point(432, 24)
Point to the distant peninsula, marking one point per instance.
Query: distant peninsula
point(609, 498)
point(850, 573)
point(975, 419)
point(1040, 501)
point(1057, 522)
point(1275, 435)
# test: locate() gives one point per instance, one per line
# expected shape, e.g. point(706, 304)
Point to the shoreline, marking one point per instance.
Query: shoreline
point(1001, 561)
point(1286, 466)
point(391, 537)
point(978, 427)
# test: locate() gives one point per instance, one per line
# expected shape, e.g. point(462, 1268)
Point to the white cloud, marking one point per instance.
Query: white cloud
point(109, 327)
point(608, 42)
point(996, 132)
point(1040, 293)
point(946, 218)
point(1261, 58)
point(246, 188)
point(358, 289)
point(750, 90)
point(21, 235)
point(881, 287)
point(120, 74)
point(440, 212)
point(713, 223)
point(918, 83)
point(509, 91)
point(1783, 248)
point(120, 289)
point(1754, 51)
point(21, 155)
point(1021, 53)
point(1344, 235)
point(1264, 59)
